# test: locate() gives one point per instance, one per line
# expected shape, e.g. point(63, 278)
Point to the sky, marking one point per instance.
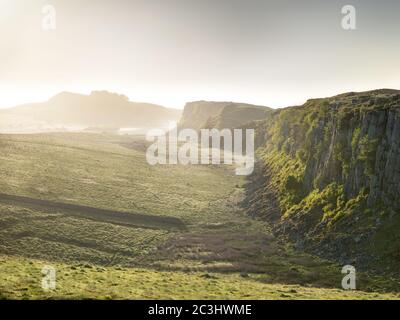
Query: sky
point(274, 53)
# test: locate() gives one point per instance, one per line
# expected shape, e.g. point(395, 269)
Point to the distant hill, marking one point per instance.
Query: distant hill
point(100, 109)
point(220, 115)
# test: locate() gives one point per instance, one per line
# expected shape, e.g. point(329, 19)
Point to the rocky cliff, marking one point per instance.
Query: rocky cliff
point(329, 176)
point(220, 115)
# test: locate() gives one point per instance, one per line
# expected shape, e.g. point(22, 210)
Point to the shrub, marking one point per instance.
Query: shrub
point(292, 184)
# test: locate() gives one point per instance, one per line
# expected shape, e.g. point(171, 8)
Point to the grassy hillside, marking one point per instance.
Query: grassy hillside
point(220, 253)
point(107, 172)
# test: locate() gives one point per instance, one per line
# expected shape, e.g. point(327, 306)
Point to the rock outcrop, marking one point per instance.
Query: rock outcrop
point(220, 115)
point(333, 167)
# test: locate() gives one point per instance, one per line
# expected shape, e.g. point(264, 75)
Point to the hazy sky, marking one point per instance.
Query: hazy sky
point(274, 53)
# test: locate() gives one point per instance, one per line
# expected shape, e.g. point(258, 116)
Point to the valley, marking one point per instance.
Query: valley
point(220, 253)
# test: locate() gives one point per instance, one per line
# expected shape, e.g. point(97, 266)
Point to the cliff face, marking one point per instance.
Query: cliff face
point(220, 115)
point(354, 144)
point(332, 167)
point(195, 114)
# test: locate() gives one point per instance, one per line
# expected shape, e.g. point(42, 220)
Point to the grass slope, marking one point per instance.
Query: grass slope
point(21, 279)
point(222, 253)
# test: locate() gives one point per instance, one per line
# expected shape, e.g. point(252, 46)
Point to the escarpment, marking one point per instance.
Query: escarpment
point(220, 115)
point(332, 166)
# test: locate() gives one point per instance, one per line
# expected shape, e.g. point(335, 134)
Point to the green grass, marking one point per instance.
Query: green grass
point(96, 170)
point(51, 235)
point(21, 279)
point(223, 253)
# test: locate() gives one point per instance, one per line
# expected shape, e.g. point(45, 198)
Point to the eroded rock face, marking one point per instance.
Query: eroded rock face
point(334, 166)
point(385, 183)
point(369, 155)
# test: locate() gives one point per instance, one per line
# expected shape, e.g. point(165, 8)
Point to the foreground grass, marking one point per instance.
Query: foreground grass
point(21, 279)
